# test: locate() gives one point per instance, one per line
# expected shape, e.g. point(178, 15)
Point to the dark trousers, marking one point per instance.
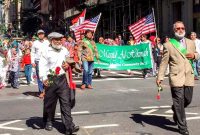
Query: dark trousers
point(13, 79)
point(182, 97)
point(58, 90)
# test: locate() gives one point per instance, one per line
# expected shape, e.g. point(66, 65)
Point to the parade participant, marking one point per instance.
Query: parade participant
point(97, 71)
point(179, 54)
point(26, 62)
point(36, 51)
point(56, 86)
point(193, 37)
point(89, 50)
point(145, 40)
point(121, 41)
point(3, 63)
point(14, 69)
point(131, 40)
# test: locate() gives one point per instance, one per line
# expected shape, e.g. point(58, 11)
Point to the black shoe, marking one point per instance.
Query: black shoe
point(184, 132)
point(49, 126)
point(74, 129)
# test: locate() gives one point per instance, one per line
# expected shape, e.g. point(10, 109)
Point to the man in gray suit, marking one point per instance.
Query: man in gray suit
point(179, 53)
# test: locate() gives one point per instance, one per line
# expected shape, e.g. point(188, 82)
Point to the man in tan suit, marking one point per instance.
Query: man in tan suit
point(179, 53)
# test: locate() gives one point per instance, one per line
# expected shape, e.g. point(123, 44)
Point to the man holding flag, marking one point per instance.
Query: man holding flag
point(179, 53)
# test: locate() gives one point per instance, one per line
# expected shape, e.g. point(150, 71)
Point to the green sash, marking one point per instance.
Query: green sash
point(89, 44)
point(183, 50)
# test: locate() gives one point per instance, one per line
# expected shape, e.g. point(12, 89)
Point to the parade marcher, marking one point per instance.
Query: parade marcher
point(89, 50)
point(121, 41)
point(3, 63)
point(179, 54)
point(14, 69)
point(26, 62)
point(159, 51)
point(131, 40)
point(56, 86)
point(97, 71)
point(36, 51)
point(193, 37)
point(145, 40)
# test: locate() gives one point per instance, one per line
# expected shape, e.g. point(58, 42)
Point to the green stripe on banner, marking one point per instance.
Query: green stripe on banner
point(124, 57)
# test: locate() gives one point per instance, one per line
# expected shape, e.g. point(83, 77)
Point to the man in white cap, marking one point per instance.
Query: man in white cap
point(56, 86)
point(36, 51)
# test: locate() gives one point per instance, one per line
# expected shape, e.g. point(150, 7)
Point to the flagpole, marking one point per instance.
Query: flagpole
point(156, 36)
point(155, 23)
point(97, 23)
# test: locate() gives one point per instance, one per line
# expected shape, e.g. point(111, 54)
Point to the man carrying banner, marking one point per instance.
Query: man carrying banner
point(179, 53)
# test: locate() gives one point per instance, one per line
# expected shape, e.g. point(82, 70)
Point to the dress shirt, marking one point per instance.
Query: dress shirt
point(197, 44)
point(37, 49)
point(182, 41)
point(51, 59)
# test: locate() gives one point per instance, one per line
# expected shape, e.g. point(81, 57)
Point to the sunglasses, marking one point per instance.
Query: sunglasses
point(180, 28)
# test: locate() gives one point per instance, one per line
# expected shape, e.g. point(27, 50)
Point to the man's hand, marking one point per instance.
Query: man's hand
point(33, 64)
point(190, 55)
point(46, 82)
point(158, 82)
point(65, 66)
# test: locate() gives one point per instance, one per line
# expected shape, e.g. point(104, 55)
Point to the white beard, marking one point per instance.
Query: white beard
point(179, 36)
point(57, 47)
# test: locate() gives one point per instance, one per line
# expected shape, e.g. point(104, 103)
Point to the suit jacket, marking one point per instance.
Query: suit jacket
point(180, 70)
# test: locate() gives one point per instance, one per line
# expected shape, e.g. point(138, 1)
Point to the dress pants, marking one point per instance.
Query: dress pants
point(58, 90)
point(182, 97)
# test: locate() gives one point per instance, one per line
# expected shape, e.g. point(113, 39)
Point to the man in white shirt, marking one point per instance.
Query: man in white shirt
point(37, 49)
point(193, 37)
point(52, 67)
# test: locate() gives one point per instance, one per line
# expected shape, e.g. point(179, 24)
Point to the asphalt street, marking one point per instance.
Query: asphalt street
point(119, 104)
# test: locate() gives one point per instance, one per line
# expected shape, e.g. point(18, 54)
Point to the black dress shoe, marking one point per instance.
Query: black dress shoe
point(184, 132)
point(74, 129)
point(48, 126)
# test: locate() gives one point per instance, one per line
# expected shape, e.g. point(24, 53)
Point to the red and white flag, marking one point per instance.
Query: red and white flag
point(145, 25)
point(90, 24)
point(78, 20)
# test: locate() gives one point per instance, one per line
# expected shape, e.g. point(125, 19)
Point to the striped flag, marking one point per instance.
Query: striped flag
point(145, 25)
point(78, 20)
point(90, 24)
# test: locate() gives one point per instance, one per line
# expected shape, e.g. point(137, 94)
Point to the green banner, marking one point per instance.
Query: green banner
point(124, 57)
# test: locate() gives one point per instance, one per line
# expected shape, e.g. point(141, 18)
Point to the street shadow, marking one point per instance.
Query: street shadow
point(37, 123)
point(29, 93)
point(157, 121)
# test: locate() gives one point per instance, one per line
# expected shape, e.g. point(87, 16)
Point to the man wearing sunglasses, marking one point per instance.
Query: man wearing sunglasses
point(179, 53)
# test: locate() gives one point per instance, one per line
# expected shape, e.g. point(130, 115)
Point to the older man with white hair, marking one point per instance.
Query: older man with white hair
point(52, 72)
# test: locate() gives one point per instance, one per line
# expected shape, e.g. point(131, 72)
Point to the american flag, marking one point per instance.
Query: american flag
point(90, 24)
point(145, 25)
